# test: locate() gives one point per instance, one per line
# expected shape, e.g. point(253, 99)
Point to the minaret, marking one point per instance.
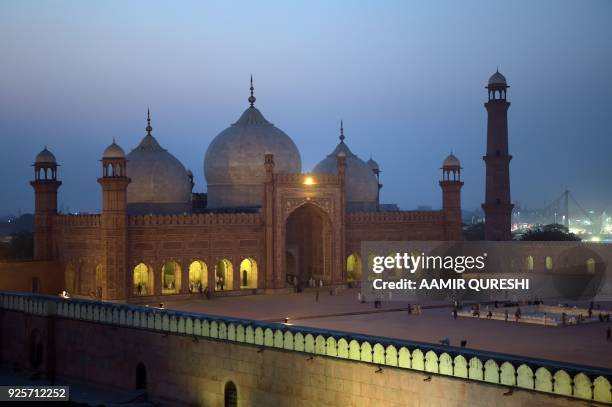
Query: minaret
point(45, 186)
point(451, 198)
point(114, 220)
point(497, 206)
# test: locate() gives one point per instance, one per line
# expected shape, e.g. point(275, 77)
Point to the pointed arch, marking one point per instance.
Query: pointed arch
point(248, 273)
point(142, 280)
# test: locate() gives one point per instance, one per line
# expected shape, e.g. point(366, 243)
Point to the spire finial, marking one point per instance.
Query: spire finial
point(149, 128)
point(341, 131)
point(252, 98)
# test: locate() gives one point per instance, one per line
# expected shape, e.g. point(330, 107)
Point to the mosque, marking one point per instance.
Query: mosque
point(263, 225)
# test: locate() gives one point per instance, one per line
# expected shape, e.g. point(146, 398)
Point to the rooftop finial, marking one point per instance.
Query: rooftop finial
point(149, 128)
point(341, 132)
point(252, 98)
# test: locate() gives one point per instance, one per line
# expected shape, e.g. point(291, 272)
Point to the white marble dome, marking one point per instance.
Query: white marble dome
point(497, 79)
point(361, 184)
point(45, 157)
point(451, 161)
point(234, 161)
point(113, 151)
point(160, 183)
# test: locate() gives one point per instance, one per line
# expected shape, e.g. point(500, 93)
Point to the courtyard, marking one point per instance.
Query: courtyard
point(581, 344)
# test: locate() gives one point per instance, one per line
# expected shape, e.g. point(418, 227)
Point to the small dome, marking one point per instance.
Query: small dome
point(234, 161)
point(45, 157)
point(361, 184)
point(159, 182)
point(497, 79)
point(451, 161)
point(373, 164)
point(113, 151)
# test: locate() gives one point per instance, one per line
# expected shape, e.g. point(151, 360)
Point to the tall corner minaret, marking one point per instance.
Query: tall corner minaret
point(114, 225)
point(497, 206)
point(451, 197)
point(45, 186)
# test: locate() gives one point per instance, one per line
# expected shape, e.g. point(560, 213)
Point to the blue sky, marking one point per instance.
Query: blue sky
point(406, 77)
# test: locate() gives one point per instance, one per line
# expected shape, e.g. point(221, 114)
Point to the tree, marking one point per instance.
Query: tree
point(475, 231)
point(550, 233)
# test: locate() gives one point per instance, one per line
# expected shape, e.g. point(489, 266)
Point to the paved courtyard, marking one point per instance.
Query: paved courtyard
point(582, 344)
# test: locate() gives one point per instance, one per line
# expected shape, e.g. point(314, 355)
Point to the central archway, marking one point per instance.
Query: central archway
point(308, 240)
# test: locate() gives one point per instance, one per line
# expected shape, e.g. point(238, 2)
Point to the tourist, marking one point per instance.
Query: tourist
point(489, 315)
point(409, 308)
point(517, 314)
point(463, 343)
point(454, 313)
point(590, 312)
point(359, 297)
point(506, 315)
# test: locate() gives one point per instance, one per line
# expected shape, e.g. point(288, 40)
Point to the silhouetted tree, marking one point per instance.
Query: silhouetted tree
point(21, 247)
point(475, 231)
point(24, 223)
point(550, 233)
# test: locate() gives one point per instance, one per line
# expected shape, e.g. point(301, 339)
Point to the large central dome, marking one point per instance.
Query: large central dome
point(234, 162)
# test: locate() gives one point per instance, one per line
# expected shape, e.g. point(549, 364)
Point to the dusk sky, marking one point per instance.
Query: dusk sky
point(406, 77)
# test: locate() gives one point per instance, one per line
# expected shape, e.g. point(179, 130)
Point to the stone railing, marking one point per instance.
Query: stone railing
point(395, 216)
point(77, 220)
point(197, 219)
point(538, 375)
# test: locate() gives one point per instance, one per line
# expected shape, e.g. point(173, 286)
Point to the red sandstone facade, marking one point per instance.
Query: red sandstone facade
point(302, 231)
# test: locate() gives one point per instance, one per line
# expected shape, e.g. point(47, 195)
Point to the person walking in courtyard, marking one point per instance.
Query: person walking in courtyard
point(517, 314)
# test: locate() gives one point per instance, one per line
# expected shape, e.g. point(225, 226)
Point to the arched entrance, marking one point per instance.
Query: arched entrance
point(198, 276)
point(98, 281)
point(142, 280)
point(308, 238)
point(224, 275)
point(248, 273)
point(171, 278)
point(353, 267)
point(141, 377)
point(70, 278)
point(230, 395)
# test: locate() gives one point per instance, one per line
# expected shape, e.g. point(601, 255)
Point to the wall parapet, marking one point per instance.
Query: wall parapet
point(395, 217)
point(197, 219)
point(78, 220)
point(564, 379)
